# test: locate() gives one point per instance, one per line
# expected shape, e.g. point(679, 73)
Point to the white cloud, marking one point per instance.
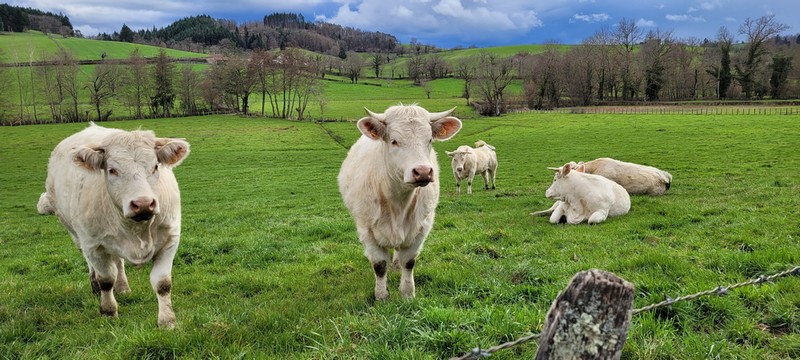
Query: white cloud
point(710, 5)
point(684, 17)
point(645, 23)
point(730, 19)
point(589, 18)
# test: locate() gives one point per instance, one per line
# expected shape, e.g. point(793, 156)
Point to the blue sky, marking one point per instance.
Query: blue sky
point(445, 23)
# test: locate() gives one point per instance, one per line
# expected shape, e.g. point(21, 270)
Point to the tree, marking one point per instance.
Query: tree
point(102, 86)
point(126, 34)
point(163, 98)
point(241, 75)
point(657, 46)
point(353, 66)
point(627, 36)
point(758, 31)
point(465, 70)
point(781, 66)
point(491, 79)
point(265, 70)
point(376, 61)
point(188, 82)
point(415, 68)
point(579, 68)
point(68, 66)
point(136, 82)
point(723, 72)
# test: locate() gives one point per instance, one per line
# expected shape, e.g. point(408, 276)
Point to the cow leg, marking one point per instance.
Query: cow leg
point(105, 275)
point(598, 216)
point(485, 176)
point(558, 213)
point(122, 279)
point(492, 175)
point(161, 283)
point(408, 258)
point(458, 185)
point(379, 258)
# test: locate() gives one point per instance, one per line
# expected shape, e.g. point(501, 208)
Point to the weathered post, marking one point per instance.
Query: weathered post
point(589, 319)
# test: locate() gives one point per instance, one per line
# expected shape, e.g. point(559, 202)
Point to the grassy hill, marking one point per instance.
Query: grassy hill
point(43, 45)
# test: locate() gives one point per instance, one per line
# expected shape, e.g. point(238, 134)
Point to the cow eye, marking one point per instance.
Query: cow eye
point(394, 142)
point(113, 171)
point(155, 168)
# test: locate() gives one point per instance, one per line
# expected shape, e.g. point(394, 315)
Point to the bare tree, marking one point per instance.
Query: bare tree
point(579, 68)
point(353, 66)
point(376, 62)
point(627, 35)
point(102, 86)
point(188, 82)
point(71, 71)
point(601, 43)
point(542, 78)
point(52, 80)
point(265, 69)
point(491, 79)
point(241, 76)
point(465, 70)
point(758, 31)
point(415, 66)
point(136, 82)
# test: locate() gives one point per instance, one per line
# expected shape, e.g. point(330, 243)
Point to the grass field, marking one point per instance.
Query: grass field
point(270, 265)
point(21, 44)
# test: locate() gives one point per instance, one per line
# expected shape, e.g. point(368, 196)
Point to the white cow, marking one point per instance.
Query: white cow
point(468, 161)
point(584, 197)
point(116, 194)
point(389, 182)
point(636, 179)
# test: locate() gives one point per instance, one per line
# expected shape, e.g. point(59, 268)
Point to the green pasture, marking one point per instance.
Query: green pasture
point(42, 46)
point(270, 265)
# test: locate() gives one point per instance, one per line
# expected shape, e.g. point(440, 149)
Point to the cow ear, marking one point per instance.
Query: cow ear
point(445, 128)
point(90, 158)
point(171, 151)
point(450, 153)
point(567, 169)
point(581, 168)
point(372, 128)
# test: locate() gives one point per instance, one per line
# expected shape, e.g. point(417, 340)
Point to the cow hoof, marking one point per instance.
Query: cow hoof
point(167, 323)
point(381, 295)
point(108, 312)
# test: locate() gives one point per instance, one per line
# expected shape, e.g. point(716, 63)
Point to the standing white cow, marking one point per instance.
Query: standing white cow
point(468, 161)
point(636, 179)
point(389, 182)
point(116, 194)
point(584, 197)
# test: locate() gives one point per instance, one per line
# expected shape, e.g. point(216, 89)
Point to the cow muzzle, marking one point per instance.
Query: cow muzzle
point(421, 175)
point(142, 209)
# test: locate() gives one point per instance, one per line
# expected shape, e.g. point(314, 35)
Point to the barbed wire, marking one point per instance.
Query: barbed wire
point(478, 353)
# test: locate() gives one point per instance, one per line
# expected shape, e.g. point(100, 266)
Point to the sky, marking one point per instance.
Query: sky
point(445, 23)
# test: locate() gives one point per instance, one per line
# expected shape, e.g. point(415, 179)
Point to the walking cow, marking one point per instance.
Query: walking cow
point(467, 161)
point(389, 183)
point(116, 194)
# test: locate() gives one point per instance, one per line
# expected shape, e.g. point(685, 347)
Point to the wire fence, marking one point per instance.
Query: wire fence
point(478, 353)
point(678, 110)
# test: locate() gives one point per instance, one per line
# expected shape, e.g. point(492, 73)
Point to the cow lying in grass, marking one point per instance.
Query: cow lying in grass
point(467, 161)
point(389, 182)
point(116, 194)
point(584, 197)
point(636, 179)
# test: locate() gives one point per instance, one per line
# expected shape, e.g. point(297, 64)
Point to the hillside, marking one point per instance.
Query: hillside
point(21, 44)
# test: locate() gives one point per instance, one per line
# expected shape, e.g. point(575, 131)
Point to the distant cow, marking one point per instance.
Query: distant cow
point(584, 197)
point(389, 182)
point(116, 194)
point(636, 179)
point(468, 161)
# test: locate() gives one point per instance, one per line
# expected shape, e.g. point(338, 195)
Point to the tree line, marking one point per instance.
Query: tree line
point(19, 19)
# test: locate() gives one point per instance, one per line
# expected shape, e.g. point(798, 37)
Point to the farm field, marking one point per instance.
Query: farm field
point(270, 265)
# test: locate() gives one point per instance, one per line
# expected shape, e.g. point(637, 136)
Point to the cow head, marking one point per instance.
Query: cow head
point(460, 157)
point(560, 185)
point(131, 163)
point(407, 133)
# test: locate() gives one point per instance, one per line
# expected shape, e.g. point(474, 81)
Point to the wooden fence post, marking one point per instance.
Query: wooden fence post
point(589, 319)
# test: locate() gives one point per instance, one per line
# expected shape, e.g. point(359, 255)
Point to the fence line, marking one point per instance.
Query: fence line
point(477, 353)
point(656, 110)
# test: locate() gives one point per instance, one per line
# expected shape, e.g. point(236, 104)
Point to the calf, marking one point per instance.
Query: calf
point(115, 193)
point(467, 161)
point(389, 182)
point(584, 197)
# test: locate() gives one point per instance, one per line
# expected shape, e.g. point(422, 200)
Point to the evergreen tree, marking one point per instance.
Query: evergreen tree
point(126, 34)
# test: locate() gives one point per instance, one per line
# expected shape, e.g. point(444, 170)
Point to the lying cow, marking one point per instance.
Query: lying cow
point(116, 194)
point(468, 161)
point(584, 197)
point(389, 182)
point(636, 179)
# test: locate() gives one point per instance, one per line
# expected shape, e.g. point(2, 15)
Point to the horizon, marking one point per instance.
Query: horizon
point(445, 24)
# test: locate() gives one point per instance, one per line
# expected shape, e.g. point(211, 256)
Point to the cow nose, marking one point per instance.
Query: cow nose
point(459, 168)
point(143, 208)
point(422, 175)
